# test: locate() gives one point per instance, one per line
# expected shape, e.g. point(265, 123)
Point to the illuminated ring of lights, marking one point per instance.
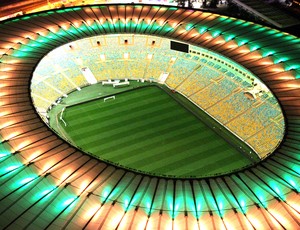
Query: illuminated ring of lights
point(98, 194)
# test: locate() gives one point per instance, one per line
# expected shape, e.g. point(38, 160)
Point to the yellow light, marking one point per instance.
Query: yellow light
point(33, 156)
point(102, 57)
point(208, 37)
point(6, 124)
point(278, 68)
point(23, 145)
point(3, 76)
point(292, 85)
point(65, 175)
point(220, 41)
point(53, 29)
point(266, 62)
point(87, 215)
point(161, 22)
point(244, 51)
point(126, 55)
point(118, 213)
point(173, 59)
point(3, 113)
point(13, 61)
point(6, 69)
point(65, 26)
point(76, 24)
point(149, 56)
point(11, 135)
point(232, 46)
point(83, 186)
point(195, 34)
point(280, 217)
point(47, 166)
point(79, 61)
point(285, 78)
point(182, 31)
point(89, 22)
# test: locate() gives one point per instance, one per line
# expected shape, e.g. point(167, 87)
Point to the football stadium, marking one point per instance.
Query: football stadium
point(137, 116)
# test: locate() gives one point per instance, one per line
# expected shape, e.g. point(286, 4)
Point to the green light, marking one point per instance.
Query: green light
point(291, 67)
point(221, 205)
point(268, 53)
point(66, 204)
point(70, 9)
point(42, 194)
point(22, 183)
point(25, 18)
point(202, 30)
point(242, 42)
point(3, 154)
point(277, 35)
point(121, 24)
point(82, 27)
point(13, 167)
point(221, 209)
point(167, 28)
point(68, 201)
point(3, 151)
point(105, 194)
point(262, 201)
point(282, 59)
point(148, 208)
point(255, 47)
point(229, 37)
point(243, 204)
point(188, 27)
point(20, 54)
point(26, 180)
point(108, 194)
point(292, 183)
point(10, 168)
point(216, 33)
point(126, 203)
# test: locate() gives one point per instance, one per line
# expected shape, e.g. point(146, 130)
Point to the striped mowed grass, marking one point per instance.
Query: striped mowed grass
point(145, 129)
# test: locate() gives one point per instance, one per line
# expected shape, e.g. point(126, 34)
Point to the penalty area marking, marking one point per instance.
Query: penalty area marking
point(109, 98)
point(61, 116)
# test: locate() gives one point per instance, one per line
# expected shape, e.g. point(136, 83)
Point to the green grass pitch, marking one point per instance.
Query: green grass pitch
point(146, 129)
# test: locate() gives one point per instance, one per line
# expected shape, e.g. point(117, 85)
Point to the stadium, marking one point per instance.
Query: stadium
point(147, 117)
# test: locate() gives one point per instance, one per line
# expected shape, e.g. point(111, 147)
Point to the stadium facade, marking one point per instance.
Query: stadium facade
point(47, 183)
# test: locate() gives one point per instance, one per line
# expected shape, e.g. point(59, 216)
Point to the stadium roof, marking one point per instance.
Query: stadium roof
point(46, 183)
point(274, 16)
